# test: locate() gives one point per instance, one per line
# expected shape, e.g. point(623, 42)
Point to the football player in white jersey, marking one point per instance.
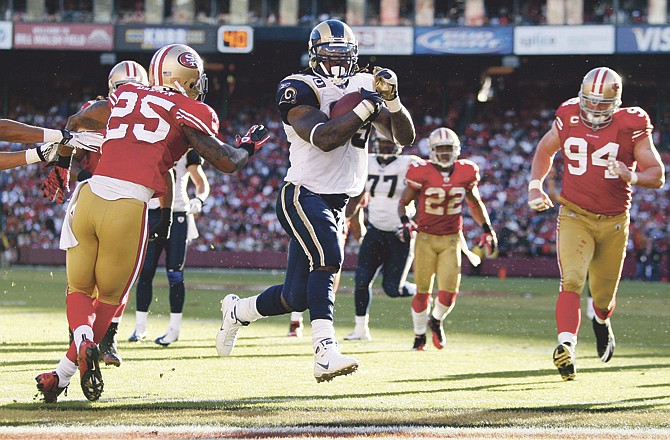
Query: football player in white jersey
point(381, 249)
point(182, 230)
point(329, 164)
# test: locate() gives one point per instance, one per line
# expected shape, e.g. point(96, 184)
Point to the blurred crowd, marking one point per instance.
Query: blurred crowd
point(239, 214)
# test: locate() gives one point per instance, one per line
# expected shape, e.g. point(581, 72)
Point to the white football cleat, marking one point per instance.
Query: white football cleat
point(359, 334)
point(230, 326)
point(138, 334)
point(329, 363)
point(170, 336)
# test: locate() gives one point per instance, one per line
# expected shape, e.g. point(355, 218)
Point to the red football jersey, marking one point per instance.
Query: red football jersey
point(441, 195)
point(586, 179)
point(144, 138)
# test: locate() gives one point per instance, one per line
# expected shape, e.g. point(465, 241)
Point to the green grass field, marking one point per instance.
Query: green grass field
point(496, 371)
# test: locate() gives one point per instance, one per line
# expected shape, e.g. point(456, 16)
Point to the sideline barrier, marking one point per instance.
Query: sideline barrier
point(545, 267)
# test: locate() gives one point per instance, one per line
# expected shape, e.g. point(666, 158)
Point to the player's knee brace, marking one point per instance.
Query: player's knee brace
point(175, 277)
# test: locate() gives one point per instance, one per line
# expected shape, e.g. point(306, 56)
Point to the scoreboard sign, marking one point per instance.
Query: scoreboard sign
point(235, 39)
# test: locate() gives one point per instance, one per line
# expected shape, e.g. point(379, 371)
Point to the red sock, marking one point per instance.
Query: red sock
point(104, 314)
point(568, 313)
point(447, 299)
point(79, 310)
point(604, 314)
point(120, 310)
point(420, 302)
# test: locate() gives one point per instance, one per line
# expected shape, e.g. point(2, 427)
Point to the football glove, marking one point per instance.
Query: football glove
point(386, 83)
point(160, 232)
point(375, 99)
point(57, 184)
point(256, 136)
point(195, 206)
point(407, 231)
point(48, 151)
point(85, 140)
point(488, 241)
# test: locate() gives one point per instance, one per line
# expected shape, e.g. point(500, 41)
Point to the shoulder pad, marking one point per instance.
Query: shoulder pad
point(297, 90)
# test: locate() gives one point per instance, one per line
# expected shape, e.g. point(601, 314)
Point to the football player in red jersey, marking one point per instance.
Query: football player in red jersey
point(440, 186)
point(82, 164)
point(105, 230)
point(607, 149)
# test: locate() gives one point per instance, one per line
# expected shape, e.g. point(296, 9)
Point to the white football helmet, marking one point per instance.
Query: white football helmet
point(449, 147)
point(333, 51)
point(599, 97)
point(125, 72)
point(383, 147)
point(179, 67)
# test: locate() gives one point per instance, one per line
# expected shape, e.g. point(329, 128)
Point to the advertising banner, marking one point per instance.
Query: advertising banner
point(643, 39)
point(463, 40)
point(5, 35)
point(140, 37)
point(63, 36)
point(384, 40)
point(564, 40)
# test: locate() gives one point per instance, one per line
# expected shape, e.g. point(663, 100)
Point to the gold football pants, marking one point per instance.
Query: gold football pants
point(437, 256)
point(112, 236)
point(594, 245)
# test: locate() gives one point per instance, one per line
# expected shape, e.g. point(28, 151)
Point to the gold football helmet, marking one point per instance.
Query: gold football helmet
point(333, 51)
point(179, 67)
point(125, 72)
point(599, 97)
point(445, 147)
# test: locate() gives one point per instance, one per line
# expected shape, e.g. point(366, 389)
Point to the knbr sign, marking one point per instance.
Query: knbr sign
point(63, 36)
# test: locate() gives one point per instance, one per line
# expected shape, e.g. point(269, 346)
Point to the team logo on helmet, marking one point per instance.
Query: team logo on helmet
point(189, 60)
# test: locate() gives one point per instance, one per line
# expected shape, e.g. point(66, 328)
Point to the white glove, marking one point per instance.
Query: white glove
point(48, 151)
point(195, 206)
point(85, 140)
point(386, 83)
point(540, 204)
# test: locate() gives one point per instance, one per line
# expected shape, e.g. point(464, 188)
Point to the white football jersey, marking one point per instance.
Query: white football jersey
point(384, 186)
point(342, 170)
point(181, 198)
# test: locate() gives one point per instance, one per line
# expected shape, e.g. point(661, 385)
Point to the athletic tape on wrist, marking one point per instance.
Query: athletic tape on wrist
point(535, 184)
point(633, 178)
point(394, 105)
point(32, 156)
point(364, 110)
point(51, 135)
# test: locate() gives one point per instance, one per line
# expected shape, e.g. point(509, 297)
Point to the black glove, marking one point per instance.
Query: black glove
point(375, 99)
point(256, 136)
point(160, 232)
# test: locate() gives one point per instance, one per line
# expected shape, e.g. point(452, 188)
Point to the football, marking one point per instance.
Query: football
point(345, 104)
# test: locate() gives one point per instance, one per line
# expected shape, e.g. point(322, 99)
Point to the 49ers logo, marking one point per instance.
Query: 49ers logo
point(189, 60)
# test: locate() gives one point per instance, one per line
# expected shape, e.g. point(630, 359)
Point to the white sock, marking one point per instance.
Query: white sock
point(83, 331)
point(65, 370)
point(246, 309)
point(322, 329)
point(568, 337)
point(440, 311)
point(362, 321)
point(411, 288)
point(175, 321)
point(117, 319)
point(600, 321)
point(296, 317)
point(420, 321)
point(141, 321)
